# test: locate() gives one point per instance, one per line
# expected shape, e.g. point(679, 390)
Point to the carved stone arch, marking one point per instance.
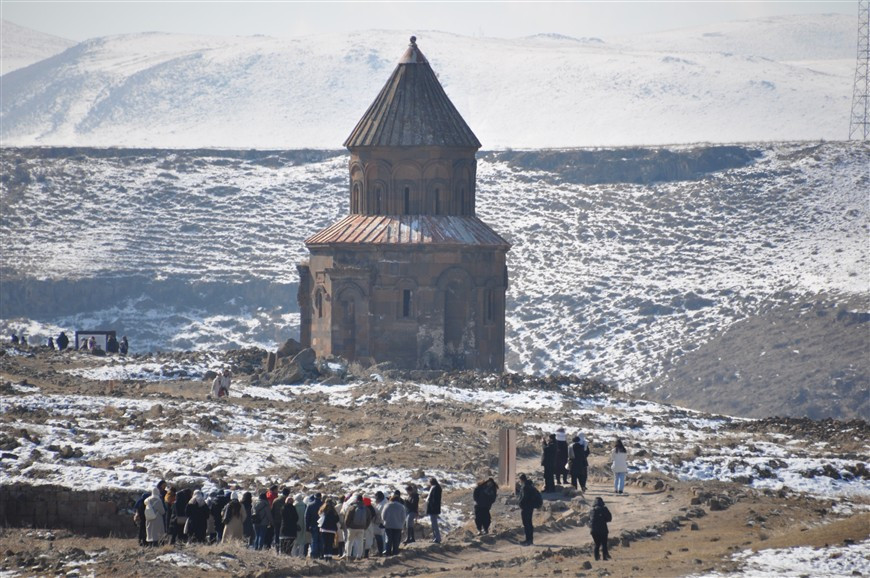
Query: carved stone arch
point(321, 302)
point(455, 290)
point(492, 300)
point(463, 186)
point(407, 176)
point(349, 315)
point(357, 188)
point(437, 201)
point(378, 174)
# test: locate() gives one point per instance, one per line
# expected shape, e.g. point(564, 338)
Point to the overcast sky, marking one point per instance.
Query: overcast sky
point(605, 18)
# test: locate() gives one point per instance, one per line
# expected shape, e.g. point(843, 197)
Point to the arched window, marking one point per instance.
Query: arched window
point(407, 200)
point(318, 303)
point(488, 305)
point(355, 199)
point(379, 193)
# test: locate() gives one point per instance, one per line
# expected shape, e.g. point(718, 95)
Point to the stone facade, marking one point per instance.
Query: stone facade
point(411, 276)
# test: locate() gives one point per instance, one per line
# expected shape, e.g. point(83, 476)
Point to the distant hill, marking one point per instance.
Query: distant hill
point(787, 78)
point(22, 46)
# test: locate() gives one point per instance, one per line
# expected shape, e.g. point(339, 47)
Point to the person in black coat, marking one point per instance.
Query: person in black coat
point(598, 523)
point(548, 460)
point(217, 502)
point(433, 508)
point(412, 508)
point(289, 520)
point(578, 452)
point(62, 341)
point(484, 497)
point(197, 512)
point(530, 500)
point(124, 346)
point(248, 524)
point(111, 344)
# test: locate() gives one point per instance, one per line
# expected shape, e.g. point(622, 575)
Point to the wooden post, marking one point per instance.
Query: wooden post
point(507, 459)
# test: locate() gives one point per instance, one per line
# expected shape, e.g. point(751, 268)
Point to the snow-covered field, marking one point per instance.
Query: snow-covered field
point(126, 443)
point(613, 280)
point(787, 78)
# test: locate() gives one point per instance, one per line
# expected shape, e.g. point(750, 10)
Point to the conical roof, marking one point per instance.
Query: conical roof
point(412, 110)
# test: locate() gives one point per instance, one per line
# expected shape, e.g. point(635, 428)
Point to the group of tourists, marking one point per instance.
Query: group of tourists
point(356, 526)
point(560, 459)
point(88, 344)
point(353, 526)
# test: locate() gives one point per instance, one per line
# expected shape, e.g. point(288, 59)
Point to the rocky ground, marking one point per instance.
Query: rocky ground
point(707, 494)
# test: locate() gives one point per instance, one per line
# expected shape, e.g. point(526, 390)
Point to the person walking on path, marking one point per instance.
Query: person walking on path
point(548, 460)
point(619, 457)
point(433, 508)
point(394, 518)
point(484, 497)
point(598, 522)
point(578, 452)
point(328, 523)
point(530, 500)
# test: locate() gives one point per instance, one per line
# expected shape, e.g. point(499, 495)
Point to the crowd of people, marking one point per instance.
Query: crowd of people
point(112, 344)
point(353, 526)
point(357, 526)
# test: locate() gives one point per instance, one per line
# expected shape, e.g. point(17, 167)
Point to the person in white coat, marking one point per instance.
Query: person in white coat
point(619, 457)
point(155, 513)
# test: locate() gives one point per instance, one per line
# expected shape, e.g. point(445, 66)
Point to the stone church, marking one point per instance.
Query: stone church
point(411, 275)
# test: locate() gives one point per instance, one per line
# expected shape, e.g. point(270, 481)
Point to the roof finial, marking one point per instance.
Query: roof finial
point(414, 40)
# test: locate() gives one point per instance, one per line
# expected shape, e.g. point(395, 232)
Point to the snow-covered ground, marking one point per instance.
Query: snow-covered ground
point(787, 78)
point(831, 561)
point(612, 280)
point(200, 441)
point(22, 46)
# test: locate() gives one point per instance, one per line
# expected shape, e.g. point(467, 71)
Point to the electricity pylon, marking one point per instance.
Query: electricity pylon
point(859, 124)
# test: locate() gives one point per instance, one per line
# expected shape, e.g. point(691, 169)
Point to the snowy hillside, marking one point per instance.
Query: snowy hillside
point(770, 79)
point(20, 46)
point(621, 281)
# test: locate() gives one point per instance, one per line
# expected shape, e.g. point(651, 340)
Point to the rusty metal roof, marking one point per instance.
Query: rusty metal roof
point(412, 109)
point(408, 230)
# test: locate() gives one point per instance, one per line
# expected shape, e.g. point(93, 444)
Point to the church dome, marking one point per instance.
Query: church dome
point(411, 110)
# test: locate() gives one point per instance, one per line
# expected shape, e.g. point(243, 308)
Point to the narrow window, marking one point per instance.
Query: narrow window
point(406, 303)
point(407, 200)
point(489, 306)
point(437, 201)
point(355, 208)
point(318, 304)
point(378, 201)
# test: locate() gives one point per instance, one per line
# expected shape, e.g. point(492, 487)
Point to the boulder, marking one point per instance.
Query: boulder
point(307, 360)
point(290, 348)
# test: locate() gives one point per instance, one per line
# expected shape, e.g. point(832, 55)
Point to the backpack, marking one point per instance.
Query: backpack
point(537, 499)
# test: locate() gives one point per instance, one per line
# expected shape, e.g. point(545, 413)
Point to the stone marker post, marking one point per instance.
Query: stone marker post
point(507, 459)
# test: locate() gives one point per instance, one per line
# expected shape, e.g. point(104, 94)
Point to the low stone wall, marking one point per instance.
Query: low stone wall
point(95, 513)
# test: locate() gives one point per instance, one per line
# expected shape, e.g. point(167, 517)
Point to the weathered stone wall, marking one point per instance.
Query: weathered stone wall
point(94, 513)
